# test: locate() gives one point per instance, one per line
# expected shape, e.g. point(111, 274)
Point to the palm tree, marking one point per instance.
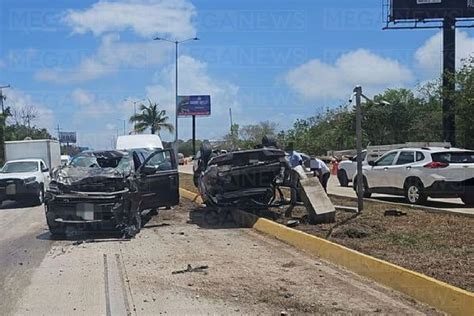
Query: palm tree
point(151, 117)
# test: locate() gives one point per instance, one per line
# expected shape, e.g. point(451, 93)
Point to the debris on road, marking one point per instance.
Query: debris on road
point(201, 269)
point(394, 213)
point(292, 223)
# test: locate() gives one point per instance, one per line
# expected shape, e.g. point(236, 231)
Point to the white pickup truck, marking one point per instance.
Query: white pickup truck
point(24, 179)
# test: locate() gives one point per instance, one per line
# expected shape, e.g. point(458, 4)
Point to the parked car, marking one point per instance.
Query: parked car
point(24, 179)
point(419, 173)
point(110, 189)
point(348, 168)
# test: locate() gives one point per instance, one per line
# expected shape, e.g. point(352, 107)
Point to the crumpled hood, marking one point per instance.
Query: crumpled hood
point(69, 175)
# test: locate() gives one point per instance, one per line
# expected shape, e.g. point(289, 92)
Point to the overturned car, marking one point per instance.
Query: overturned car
point(253, 179)
point(111, 189)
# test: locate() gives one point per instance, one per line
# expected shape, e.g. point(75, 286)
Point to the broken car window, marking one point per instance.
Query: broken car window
point(160, 161)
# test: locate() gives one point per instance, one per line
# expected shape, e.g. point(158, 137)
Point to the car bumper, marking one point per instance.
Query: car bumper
point(443, 189)
point(103, 210)
point(17, 189)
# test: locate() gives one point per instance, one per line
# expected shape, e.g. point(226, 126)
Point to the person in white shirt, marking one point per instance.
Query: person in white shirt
point(321, 170)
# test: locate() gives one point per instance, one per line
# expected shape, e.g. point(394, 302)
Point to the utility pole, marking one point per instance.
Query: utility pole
point(176, 43)
point(231, 122)
point(360, 177)
point(449, 70)
point(2, 123)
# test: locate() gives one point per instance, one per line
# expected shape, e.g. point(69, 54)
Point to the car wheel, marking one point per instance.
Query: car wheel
point(365, 187)
point(55, 228)
point(468, 199)
point(342, 177)
point(39, 199)
point(414, 192)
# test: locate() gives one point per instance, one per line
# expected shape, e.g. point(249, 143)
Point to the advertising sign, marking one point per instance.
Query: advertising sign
point(430, 9)
point(67, 137)
point(199, 105)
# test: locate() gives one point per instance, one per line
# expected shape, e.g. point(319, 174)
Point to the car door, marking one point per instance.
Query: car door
point(158, 180)
point(377, 175)
point(46, 176)
point(400, 171)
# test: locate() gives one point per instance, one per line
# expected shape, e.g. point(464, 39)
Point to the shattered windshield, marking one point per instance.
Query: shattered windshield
point(121, 163)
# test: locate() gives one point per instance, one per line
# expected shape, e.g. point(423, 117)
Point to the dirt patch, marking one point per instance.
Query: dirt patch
point(438, 245)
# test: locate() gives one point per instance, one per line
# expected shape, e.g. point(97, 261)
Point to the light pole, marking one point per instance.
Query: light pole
point(2, 124)
point(124, 128)
point(134, 111)
point(175, 143)
point(360, 178)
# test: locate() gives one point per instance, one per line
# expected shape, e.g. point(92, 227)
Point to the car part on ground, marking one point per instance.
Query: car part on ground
point(252, 179)
point(108, 190)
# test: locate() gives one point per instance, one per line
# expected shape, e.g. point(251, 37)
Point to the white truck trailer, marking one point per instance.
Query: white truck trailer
point(46, 149)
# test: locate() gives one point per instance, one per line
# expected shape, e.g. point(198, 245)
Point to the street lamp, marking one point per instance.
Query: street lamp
point(134, 110)
point(175, 143)
point(360, 178)
point(124, 128)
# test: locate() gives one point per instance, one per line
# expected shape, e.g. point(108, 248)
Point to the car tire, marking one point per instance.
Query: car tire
point(342, 177)
point(468, 200)
point(55, 228)
point(414, 192)
point(366, 193)
point(39, 199)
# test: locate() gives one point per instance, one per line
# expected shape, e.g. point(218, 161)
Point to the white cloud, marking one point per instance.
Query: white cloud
point(19, 99)
point(111, 56)
point(91, 106)
point(146, 18)
point(316, 79)
point(196, 80)
point(429, 56)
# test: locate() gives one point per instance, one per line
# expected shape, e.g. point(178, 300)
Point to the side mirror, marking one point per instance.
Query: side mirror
point(45, 170)
point(147, 170)
point(371, 163)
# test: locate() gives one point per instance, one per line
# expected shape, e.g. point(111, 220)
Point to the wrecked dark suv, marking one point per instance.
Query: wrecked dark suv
point(110, 189)
point(247, 178)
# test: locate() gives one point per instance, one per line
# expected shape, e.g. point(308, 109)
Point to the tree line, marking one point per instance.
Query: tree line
point(395, 116)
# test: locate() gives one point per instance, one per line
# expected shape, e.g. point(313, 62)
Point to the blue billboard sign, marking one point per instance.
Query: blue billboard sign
point(189, 105)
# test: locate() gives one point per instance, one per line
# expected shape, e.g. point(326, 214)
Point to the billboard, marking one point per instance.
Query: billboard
point(189, 105)
point(67, 137)
point(430, 9)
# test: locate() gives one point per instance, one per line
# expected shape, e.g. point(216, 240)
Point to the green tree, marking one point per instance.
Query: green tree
point(151, 117)
point(464, 100)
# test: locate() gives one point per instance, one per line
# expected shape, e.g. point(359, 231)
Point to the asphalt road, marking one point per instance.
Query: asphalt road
point(238, 271)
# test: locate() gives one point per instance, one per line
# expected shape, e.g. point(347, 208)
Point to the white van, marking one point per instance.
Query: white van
point(139, 141)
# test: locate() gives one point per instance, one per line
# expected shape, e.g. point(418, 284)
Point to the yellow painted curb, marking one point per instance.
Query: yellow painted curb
point(190, 195)
point(438, 294)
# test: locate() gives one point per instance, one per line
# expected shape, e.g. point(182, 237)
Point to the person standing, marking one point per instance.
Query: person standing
point(322, 171)
point(295, 157)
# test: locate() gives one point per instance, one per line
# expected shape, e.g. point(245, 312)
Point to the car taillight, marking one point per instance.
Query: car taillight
point(436, 165)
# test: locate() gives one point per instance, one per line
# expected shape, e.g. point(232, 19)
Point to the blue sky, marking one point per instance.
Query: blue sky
point(83, 63)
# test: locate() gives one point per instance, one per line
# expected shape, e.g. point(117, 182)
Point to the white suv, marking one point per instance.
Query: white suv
point(419, 173)
point(348, 168)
